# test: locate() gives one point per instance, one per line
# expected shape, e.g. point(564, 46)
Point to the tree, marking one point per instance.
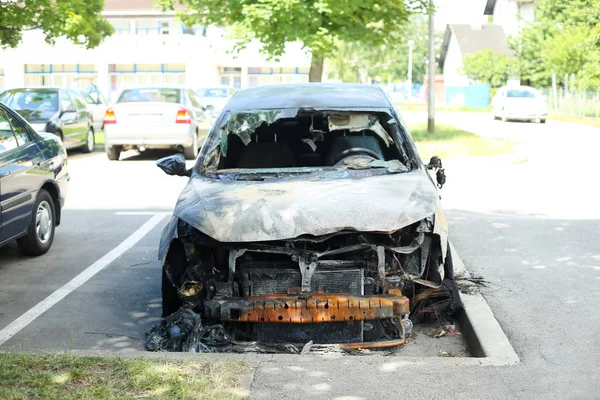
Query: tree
point(565, 39)
point(319, 25)
point(78, 20)
point(355, 62)
point(485, 66)
point(530, 65)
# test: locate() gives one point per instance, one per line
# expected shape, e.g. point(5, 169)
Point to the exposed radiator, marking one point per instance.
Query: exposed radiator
point(257, 281)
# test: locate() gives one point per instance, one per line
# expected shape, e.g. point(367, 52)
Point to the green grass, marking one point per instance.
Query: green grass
point(99, 138)
point(26, 376)
point(423, 107)
point(450, 142)
point(589, 121)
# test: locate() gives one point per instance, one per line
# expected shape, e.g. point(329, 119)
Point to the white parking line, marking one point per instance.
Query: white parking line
point(44, 305)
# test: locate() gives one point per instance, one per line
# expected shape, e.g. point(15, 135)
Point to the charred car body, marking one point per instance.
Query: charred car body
point(308, 216)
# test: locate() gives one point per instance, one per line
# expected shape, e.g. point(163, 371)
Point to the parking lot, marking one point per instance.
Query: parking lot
point(528, 228)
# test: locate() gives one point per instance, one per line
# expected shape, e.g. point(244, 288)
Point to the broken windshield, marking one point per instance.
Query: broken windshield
point(257, 143)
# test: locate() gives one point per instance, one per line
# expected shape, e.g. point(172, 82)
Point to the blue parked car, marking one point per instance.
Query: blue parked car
point(33, 183)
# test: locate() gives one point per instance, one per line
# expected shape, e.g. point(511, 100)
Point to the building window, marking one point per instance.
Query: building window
point(125, 75)
point(73, 76)
point(231, 76)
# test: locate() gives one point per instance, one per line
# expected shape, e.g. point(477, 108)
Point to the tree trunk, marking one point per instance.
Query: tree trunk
point(316, 67)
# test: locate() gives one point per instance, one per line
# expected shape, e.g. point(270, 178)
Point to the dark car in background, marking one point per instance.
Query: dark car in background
point(62, 112)
point(33, 184)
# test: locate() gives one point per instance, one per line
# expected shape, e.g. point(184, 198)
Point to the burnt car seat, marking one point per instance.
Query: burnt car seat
point(266, 155)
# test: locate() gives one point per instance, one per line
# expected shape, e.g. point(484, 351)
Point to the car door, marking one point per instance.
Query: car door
point(84, 116)
point(69, 123)
point(20, 176)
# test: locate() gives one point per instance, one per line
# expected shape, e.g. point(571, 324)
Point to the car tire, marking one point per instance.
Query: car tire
point(190, 153)
point(543, 121)
point(40, 232)
point(170, 300)
point(88, 147)
point(113, 153)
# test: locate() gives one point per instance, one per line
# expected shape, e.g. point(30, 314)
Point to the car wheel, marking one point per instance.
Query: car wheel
point(170, 299)
point(543, 121)
point(113, 153)
point(88, 147)
point(191, 152)
point(40, 232)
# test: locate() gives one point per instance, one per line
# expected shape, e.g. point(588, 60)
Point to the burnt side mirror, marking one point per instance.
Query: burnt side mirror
point(440, 174)
point(174, 165)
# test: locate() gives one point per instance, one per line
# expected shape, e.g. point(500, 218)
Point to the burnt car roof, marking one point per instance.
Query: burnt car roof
point(309, 95)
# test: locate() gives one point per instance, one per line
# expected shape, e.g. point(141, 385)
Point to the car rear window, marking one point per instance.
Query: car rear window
point(521, 93)
point(150, 95)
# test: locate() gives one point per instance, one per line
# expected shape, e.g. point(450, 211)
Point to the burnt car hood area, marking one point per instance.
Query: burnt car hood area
point(302, 227)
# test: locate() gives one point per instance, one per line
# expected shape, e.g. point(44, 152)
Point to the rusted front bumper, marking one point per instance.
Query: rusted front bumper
point(309, 308)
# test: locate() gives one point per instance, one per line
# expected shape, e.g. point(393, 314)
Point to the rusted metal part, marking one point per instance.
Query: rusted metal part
point(383, 344)
point(313, 307)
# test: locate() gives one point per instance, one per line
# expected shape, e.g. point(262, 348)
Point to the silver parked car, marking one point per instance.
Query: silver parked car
point(155, 118)
point(521, 103)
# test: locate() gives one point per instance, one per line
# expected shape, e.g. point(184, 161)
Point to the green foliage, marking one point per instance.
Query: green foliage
point(355, 62)
point(529, 62)
point(488, 67)
point(78, 20)
point(318, 24)
point(564, 40)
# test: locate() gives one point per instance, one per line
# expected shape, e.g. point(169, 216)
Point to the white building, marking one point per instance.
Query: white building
point(511, 15)
point(463, 39)
point(149, 47)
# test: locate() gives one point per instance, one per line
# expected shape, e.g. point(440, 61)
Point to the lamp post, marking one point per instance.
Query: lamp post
point(411, 43)
point(431, 74)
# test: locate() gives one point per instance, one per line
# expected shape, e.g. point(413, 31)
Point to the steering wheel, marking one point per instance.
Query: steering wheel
point(355, 151)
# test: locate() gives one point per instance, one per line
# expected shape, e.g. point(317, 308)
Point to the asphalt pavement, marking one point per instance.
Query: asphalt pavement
point(530, 229)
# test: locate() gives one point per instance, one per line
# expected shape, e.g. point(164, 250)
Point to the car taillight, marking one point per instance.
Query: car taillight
point(109, 117)
point(183, 116)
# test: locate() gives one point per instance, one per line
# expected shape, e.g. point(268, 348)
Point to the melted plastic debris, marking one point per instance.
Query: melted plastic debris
point(392, 166)
point(367, 162)
point(183, 331)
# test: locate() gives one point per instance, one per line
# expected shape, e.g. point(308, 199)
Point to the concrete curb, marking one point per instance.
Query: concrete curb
point(487, 343)
point(482, 332)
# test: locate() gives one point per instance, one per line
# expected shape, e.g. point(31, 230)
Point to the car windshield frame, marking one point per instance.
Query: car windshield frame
point(12, 98)
point(401, 140)
point(151, 95)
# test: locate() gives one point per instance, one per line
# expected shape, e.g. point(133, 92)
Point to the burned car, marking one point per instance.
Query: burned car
point(308, 217)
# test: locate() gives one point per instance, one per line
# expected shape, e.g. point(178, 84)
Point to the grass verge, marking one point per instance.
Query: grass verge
point(589, 121)
point(450, 142)
point(99, 138)
point(27, 376)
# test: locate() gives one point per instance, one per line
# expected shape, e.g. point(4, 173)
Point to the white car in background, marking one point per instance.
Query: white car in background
point(155, 118)
point(522, 103)
point(214, 98)
point(98, 105)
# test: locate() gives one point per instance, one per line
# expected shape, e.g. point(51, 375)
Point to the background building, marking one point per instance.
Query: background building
point(148, 47)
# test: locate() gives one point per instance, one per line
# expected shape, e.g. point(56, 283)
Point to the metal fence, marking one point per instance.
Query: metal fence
point(585, 103)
